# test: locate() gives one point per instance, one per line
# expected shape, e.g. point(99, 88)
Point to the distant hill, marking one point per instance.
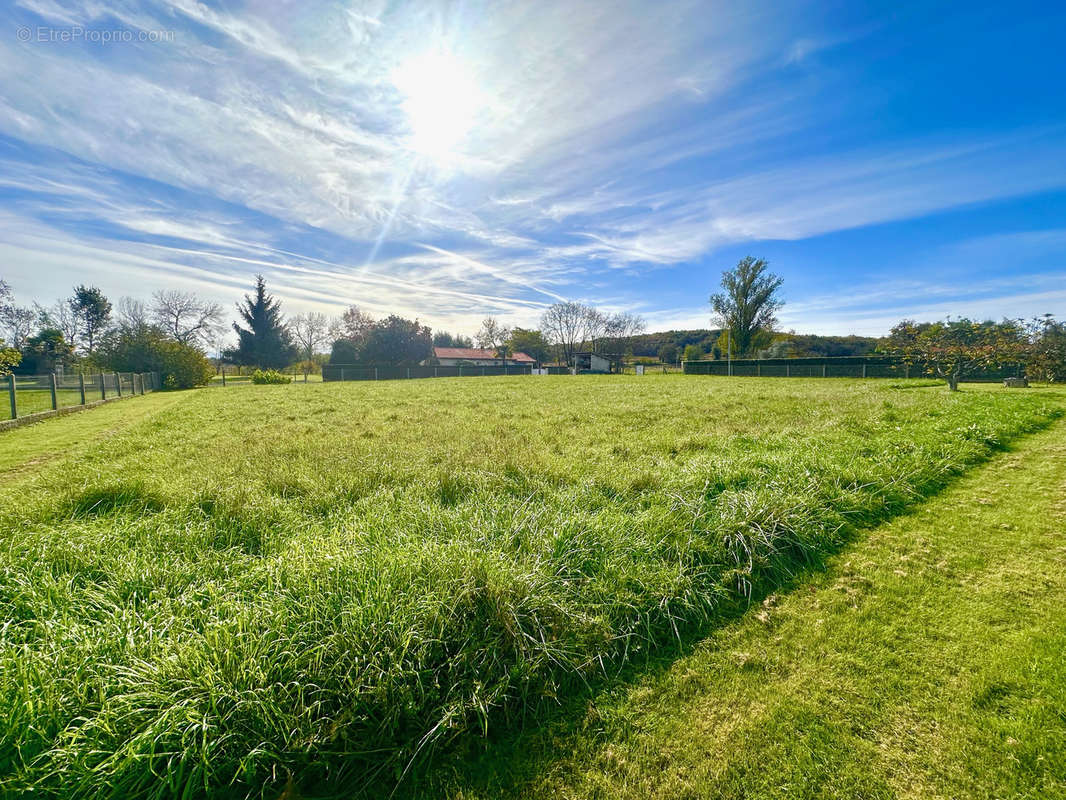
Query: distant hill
point(648, 344)
point(802, 344)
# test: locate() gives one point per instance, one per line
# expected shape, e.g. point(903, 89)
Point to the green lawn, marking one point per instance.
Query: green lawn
point(329, 583)
point(926, 662)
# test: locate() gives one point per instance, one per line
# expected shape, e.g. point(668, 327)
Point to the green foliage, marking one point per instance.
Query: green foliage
point(266, 342)
point(270, 376)
point(445, 339)
point(531, 342)
point(9, 359)
point(693, 353)
point(396, 341)
point(344, 351)
point(668, 353)
point(1045, 354)
point(93, 312)
point(748, 304)
point(327, 583)
point(45, 352)
point(147, 348)
point(956, 348)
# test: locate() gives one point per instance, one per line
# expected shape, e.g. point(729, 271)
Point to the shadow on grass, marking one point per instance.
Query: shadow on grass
point(508, 761)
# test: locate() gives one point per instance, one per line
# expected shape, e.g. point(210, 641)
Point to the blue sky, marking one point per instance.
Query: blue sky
point(453, 160)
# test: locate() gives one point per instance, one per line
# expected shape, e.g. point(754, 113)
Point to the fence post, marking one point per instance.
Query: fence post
point(460, 372)
point(758, 370)
point(434, 372)
point(906, 370)
point(55, 403)
point(823, 370)
point(81, 386)
point(375, 373)
point(408, 372)
point(864, 370)
point(103, 387)
point(223, 376)
point(788, 370)
point(11, 391)
point(118, 382)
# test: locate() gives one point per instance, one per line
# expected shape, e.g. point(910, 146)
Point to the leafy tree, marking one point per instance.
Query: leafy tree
point(45, 351)
point(668, 353)
point(955, 349)
point(693, 352)
point(266, 342)
point(748, 304)
point(531, 342)
point(344, 351)
point(397, 341)
point(9, 356)
point(186, 317)
point(445, 339)
point(494, 336)
point(9, 359)
point(354, 324)
point(93, 312)
point(1046, 351)
point(142, 347)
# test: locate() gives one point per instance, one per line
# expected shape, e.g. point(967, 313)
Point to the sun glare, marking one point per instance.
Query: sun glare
point(440, 99)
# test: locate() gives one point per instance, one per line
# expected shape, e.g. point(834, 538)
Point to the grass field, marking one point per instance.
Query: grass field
point(926, 662)
point(309, 586)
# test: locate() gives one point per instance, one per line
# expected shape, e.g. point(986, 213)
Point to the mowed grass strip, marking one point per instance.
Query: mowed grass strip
point(316, 586)
point(925, 662)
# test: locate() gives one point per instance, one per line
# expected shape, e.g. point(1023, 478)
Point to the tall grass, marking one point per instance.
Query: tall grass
point(315, 586)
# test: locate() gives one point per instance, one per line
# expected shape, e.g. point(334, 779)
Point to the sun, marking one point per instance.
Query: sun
point(441, 99)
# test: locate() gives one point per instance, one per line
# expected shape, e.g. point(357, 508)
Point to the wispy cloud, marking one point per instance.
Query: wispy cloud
point(609, 144)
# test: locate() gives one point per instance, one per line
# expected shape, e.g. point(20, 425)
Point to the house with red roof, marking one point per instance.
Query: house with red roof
point(479, 357)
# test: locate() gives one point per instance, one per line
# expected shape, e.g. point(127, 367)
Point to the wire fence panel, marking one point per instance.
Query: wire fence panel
point(835, 367)
point(27, 395)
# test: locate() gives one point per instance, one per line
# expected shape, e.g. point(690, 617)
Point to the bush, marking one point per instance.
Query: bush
point(146, 348)
point(9, 358)
point(184, 367)
point(269, 376)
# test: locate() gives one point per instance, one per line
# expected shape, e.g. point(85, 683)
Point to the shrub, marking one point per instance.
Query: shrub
point(184, 367)
point(269, 376)
point(9, 357)
point(146, 348)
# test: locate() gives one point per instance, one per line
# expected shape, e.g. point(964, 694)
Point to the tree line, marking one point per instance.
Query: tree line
point(85, 331)
point(174, 332)
point(749, 300)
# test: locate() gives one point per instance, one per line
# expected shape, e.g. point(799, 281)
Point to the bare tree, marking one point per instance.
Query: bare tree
point(621, 328)
point(311, 332)
point(186, 317)
point(61, 317)
point(596, 325)
point(494, 336)
point(132, 314)
point(564, 325)
point(18, 323)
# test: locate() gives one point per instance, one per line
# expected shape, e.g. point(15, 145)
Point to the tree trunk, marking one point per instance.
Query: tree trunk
point(953, 382)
